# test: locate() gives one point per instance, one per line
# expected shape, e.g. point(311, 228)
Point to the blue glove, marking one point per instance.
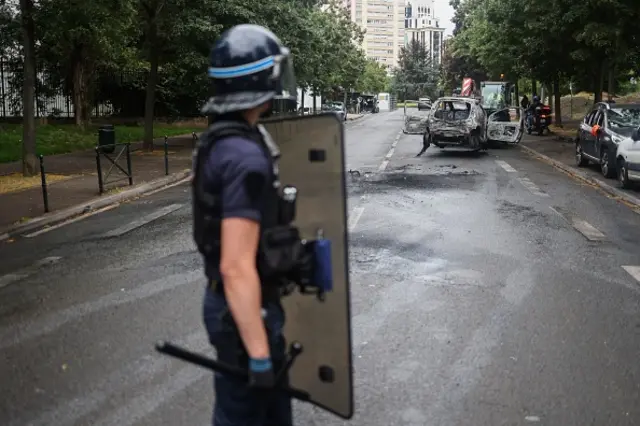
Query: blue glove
point(261, 373)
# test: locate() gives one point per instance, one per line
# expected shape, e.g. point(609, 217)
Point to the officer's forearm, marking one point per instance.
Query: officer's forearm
point(243, 292)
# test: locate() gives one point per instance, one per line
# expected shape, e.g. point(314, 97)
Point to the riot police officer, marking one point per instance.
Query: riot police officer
point(235, 188)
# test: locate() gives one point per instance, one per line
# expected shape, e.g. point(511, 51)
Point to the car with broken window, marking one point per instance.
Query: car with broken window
point(456, 122)
point(424, 103)
point(461, 122)
point(601, 132)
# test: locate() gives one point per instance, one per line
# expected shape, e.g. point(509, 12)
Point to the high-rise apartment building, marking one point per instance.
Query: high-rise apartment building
point(421, 24)
point(384, 22)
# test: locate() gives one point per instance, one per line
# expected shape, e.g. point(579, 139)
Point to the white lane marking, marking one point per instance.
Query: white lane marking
point(532, 187)
point(146, 403)
point(586, 229)
point(70, 411)
point(354, 217)
point(15, 333)
point(70, 221)
point(589, 231)
point(142, 221)
point(506, 166)
point(23, 273)
point(387, 157)
point(390, 154)
point(383, 166)
point(634, 271)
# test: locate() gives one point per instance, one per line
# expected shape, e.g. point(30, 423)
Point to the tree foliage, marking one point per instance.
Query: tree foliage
point(416, 74)
point(552, 42)
point(121, 52)
point(149, 57)
point(374, 79)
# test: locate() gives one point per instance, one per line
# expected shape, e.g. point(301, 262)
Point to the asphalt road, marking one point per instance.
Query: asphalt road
point(486, 290)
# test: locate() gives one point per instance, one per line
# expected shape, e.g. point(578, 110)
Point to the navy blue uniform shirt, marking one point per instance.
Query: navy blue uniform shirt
point(226, 171)
point(230, 163)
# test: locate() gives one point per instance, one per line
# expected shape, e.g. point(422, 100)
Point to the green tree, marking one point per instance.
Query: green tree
point(77, 38)
point(173, 29)
point(416, 74)
point(374, 79)
point(589, 43)
point(29, 166)
point(334, 59)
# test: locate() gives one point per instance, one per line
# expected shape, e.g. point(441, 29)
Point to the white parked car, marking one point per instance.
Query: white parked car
point(628, 159)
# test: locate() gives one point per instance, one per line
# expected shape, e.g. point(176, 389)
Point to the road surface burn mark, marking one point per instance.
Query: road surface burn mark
point(365, 250)
point(439, 169)
point(386, 182)
point(526, 215)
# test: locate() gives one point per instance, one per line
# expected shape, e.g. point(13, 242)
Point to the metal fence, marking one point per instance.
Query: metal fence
point(51, 100)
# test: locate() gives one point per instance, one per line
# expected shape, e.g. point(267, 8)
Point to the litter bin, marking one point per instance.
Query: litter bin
point(107, 138)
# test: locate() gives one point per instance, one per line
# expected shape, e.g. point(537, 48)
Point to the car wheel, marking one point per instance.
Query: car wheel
point(623, 174)
point(605, 166)
point(581, 161)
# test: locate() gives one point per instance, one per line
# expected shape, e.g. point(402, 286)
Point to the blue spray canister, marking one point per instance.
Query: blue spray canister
point(323, 275)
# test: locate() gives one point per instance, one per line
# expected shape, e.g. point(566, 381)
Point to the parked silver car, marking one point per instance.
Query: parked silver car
point(338, 108)
point(461, 122)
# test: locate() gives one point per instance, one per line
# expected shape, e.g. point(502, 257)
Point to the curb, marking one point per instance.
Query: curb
point(631, 200)
point(94, 204)
point(562, 137)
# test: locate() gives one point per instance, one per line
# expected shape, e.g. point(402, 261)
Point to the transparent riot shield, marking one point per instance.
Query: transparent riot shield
point(312, 160)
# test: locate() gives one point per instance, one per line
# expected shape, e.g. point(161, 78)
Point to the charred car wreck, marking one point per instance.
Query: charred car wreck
point(456, 122)
point(462, 123)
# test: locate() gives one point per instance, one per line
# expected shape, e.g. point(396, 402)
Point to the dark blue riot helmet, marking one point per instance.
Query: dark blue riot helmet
point(249, 66)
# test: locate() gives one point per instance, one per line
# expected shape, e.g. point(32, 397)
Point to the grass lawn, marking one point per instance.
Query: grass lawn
point(409, 104)
point(60, 139)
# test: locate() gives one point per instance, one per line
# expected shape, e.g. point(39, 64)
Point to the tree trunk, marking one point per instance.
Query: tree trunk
point(516, 90)
point(556, 101)
point(29, 160)
point(346, 108)
point(599, 80)
point(80, 102)
point(152, 80)
point(534, 87)
point(611, 89)
point(314, 100)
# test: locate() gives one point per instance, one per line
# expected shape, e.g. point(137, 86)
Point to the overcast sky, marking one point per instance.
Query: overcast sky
point(445, 13)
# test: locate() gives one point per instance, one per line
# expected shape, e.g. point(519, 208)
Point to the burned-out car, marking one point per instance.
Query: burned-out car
point(462, 122)
point(456, 122)
point(415, 122)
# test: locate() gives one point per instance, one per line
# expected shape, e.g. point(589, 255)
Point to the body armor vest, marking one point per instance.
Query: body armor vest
point(280, 247)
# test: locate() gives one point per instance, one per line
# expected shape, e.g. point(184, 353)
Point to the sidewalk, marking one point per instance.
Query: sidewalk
point(73, 178)
point(568, 130)
point(558, 150)
point(559, 145)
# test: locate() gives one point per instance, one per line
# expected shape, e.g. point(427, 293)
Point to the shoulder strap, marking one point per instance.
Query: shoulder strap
point(217, 131)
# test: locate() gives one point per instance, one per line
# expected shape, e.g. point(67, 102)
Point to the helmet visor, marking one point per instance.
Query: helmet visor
point(284, 77)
